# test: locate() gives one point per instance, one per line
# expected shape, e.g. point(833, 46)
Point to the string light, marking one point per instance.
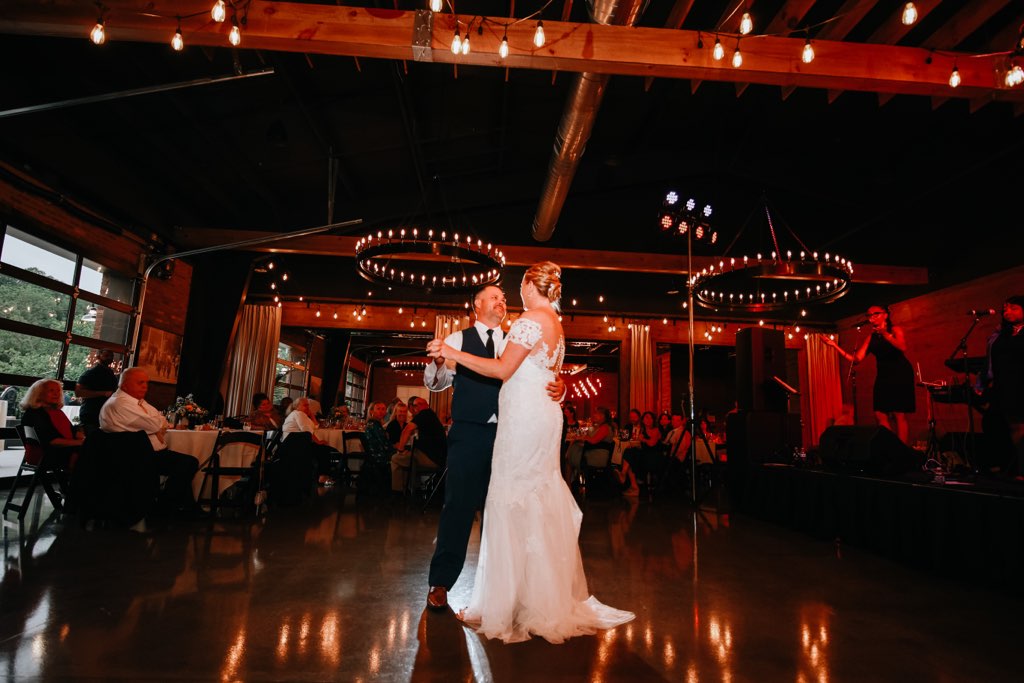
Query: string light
point(98, 35)
point(538, 35)
point(235, 36)
point(435, 5)
point(909, 14)
point(178, 42)
point(456, 41)
point(737, 58)
point(954, 77)
point(503, 49)
point(807, 56)
point(746, 23)
point(465, 42)
point(718, 52)
point(219, 12)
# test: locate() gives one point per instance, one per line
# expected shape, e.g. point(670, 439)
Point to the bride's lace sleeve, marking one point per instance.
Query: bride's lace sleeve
point(525, 332)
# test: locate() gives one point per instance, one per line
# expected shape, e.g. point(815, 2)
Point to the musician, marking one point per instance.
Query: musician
point(1002, 385)
point(894, 375)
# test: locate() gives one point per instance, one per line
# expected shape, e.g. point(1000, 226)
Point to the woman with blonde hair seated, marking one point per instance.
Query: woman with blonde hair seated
point(42, 405)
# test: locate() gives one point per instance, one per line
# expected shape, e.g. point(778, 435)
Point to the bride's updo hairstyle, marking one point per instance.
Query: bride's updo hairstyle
point(547, 278)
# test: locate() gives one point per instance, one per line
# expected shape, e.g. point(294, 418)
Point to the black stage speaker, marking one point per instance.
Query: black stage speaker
point(760, 355)
point(867, 450)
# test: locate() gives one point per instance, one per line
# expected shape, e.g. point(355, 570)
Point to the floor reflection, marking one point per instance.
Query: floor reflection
point(335, 590)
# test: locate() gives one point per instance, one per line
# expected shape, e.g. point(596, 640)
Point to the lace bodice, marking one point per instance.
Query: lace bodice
point(529, 334)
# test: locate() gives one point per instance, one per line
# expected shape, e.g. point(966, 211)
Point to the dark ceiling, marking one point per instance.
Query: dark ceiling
point(907, 181)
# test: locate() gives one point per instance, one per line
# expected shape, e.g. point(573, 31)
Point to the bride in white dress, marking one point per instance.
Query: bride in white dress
point(529, 578)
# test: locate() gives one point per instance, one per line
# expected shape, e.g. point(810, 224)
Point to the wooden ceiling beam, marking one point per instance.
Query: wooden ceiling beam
point(389, 34)
point(584, 259)
point(965, 22)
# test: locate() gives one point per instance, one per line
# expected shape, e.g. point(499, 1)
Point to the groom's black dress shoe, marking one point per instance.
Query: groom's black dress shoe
point(437, 598)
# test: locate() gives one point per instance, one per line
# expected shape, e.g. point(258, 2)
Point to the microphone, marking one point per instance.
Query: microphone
point(979, 312)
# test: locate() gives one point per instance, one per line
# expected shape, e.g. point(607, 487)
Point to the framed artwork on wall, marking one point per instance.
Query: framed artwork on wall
point(160, 355)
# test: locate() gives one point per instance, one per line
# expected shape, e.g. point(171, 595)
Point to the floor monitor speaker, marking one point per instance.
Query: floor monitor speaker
point(867, 450)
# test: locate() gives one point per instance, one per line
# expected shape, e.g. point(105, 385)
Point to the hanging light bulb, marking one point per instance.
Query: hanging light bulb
point(435, 5)
point(465, 43)
point(538, 35)
point(718, 52)
point(219, 12)
point(954, 77)
point(235, 36)
point(178, 42)
point(737, 58)
point(97, 34)
point(909, 14)
point(1015, 76)
point(807, 56)
point(503, 48)
point(456, 42)
point(746, 23)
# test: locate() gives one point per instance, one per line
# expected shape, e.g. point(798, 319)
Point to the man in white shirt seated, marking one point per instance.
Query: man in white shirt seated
point(675, 435)
point(127, 411)
point(301, 418)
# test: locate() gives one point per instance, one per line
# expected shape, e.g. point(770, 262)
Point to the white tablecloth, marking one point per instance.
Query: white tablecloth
point(200, 444)
point(341, 440)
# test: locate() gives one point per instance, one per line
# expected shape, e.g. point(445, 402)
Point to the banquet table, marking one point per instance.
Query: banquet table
point(342, 440)
point(200, 443)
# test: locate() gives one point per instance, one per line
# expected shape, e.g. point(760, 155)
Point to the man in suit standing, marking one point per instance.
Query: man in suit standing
point(470, 439)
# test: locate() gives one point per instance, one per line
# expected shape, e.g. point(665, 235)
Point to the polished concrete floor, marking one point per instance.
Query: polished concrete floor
point(334, 591)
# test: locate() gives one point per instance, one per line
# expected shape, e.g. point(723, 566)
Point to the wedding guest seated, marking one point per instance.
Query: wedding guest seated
point(677, 441)
point(284, 407)
point(601, 437)
point(430, 447)
point(633, 425)
point(569, 424)
point(396, 424)
point(128, 411)
point(378, 446)
point(664, 423)
point(59, 439)
point(647, 460)
point(302, 420)
point(263, 415)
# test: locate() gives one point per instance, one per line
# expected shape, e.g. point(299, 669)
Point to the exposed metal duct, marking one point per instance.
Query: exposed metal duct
point(578, 120)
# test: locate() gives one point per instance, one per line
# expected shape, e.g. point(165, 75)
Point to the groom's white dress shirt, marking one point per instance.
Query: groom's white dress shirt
point(440, 378)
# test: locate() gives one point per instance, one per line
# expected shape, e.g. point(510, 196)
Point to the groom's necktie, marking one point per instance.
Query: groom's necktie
point(490, 343)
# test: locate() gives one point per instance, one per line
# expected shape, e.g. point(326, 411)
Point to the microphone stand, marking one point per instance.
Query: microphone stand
point(851, 377)
point(961, 348)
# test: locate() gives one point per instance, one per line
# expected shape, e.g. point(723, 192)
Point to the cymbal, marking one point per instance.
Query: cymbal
point(974, 364)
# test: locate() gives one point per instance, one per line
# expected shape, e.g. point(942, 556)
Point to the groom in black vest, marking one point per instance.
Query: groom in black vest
point(470, 439)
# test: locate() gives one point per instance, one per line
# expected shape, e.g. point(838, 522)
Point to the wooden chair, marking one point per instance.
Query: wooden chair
point(250, 444)
point(43, 468)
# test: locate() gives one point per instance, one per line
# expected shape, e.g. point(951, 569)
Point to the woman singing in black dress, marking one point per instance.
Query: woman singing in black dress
point(894, 375)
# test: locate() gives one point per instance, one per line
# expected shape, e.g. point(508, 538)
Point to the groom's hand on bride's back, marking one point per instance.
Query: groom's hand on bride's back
point(556, 389)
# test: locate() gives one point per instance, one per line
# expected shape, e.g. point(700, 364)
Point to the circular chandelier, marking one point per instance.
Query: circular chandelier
point(431, 262)
point(757, 283)
point(768, 284)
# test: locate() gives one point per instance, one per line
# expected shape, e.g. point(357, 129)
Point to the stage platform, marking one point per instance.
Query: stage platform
point(971, 530)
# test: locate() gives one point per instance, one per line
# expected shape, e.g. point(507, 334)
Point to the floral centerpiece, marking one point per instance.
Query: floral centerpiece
point(190, 410)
